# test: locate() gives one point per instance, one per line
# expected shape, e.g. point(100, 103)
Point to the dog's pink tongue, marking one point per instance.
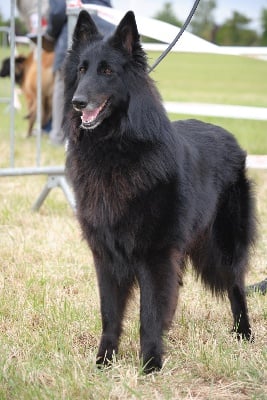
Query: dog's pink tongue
point(90, 115)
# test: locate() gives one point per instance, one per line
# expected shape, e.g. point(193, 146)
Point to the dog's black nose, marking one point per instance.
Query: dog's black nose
point(79, 102)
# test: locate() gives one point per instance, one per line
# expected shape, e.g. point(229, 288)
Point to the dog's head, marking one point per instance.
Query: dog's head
point(19, 68)
point(5, 70)
point(100, 71)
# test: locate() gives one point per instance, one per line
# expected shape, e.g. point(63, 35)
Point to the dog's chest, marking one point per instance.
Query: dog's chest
point(105, 185)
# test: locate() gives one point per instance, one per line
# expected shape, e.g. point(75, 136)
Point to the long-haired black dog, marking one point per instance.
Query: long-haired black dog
point(150, 193)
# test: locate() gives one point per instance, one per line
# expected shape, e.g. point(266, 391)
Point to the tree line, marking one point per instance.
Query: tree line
point(234, 31)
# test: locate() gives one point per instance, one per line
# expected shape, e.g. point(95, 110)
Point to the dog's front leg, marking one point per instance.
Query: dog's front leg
point(113, 299)
point(159, 293)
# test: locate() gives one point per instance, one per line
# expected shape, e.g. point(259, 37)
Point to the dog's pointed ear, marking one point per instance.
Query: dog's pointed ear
point(85, 28)
point(126, 35)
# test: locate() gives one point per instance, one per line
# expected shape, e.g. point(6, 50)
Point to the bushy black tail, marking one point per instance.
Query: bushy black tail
point(222, 258)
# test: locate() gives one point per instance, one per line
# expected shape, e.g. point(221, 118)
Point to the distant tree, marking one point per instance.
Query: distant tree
point(2, 22)
point(3, 35)
point(235, 32)
point(167, 14)
point(203, 22)
point(20, 27)
point(263, 40)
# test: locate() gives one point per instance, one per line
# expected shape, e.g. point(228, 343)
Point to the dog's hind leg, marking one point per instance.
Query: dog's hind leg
point(237, 297)
point(235, 232)
point(222, 257)
point(219, 274)
point(32, 107)
point(31, 124)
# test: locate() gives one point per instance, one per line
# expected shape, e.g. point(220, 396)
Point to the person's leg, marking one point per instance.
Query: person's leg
point(56, 134)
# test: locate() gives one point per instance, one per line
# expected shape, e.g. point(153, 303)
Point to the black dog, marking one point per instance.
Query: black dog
point(150, 193)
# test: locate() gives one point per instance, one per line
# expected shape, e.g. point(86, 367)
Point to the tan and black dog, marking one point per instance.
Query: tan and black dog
point(26, 78)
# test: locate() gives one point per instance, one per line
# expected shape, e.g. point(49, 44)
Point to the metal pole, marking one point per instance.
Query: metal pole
point(23, 171)
point(73, 8)
point(12, 76)
point(39, 85)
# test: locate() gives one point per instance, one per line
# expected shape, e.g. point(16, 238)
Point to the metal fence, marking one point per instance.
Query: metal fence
point(55, 174)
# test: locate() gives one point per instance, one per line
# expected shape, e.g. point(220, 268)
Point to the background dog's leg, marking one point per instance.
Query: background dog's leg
point(32, 118)
point(113, 298)
point(259, 287)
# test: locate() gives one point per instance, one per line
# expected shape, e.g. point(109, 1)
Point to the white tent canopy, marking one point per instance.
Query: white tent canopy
point(165, 33)
point(152, 28)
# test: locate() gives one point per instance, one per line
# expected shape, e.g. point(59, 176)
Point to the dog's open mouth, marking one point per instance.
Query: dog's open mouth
point(91, 118)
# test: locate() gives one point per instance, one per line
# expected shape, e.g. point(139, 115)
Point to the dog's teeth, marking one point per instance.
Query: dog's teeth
point(87, 121)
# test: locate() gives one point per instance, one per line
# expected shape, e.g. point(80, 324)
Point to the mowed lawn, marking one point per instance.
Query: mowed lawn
point(212, 78)
point(49, 308)
point(218, 79)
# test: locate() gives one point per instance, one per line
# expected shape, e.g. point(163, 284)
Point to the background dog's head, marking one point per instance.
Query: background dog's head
point(19, 68)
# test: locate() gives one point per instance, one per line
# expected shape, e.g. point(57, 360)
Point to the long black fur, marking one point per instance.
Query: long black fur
point(150, 194)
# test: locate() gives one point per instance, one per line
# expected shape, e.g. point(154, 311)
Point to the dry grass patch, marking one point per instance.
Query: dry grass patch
point(49, 308)
point(50, 324)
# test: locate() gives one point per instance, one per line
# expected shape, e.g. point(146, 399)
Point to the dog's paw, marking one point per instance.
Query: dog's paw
point(246, 335)
point(105, 359)
point(151, 364)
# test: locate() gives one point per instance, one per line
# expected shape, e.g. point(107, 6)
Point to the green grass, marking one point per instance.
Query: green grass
point(210, 78)
point(251, 134)
point(217, 79)
point(49, 308)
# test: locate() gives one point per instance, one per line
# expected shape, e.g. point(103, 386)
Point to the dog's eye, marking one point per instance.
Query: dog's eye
point(82, 70)
point(105, 69)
